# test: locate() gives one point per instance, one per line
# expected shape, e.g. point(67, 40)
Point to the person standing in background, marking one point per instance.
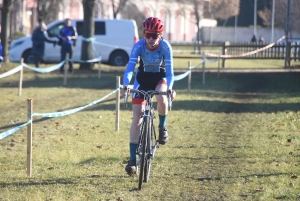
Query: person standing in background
point(253, 39)
point(261, 39)
point(1, 57)
point(67, 36)
point(38, 38)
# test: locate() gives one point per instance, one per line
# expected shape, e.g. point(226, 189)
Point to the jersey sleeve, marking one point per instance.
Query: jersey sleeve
point(168, 55)
point(135, 52)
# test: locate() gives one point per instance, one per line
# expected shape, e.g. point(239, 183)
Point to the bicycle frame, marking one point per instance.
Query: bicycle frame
point(147, 143)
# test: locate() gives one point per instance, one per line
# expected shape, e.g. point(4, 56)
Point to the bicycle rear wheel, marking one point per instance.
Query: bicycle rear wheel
point(143, 141)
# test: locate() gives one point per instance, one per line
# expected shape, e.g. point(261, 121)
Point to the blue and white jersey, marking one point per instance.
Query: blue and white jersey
point(65, 32)
point(152, 60)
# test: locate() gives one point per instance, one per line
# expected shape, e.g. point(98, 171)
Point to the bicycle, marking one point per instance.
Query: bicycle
point(147, 143)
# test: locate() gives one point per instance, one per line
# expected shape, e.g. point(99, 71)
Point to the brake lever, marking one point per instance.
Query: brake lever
point(126, 96)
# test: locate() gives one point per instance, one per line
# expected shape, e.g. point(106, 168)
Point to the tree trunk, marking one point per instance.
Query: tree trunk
point(5, 19)
point(114, 9)
point(197, 16)
point(88, 32)
point(47, 10)
point(118, 8)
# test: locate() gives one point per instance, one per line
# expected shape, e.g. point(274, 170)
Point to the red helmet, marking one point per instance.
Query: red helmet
point(153, 24)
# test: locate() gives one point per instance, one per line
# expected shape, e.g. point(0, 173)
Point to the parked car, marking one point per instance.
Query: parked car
point(114, 40)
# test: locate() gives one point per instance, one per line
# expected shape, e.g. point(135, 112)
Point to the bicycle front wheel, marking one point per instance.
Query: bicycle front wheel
point(150, 143)
point(144, 142)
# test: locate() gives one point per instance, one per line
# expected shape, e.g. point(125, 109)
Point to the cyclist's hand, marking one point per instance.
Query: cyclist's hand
point(125, 90)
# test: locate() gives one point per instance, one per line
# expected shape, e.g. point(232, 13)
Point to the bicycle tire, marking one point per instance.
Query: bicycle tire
point(150, 144)
point(145, 126)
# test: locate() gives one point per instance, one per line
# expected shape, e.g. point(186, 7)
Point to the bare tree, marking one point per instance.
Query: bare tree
point(198, 14)
point(266, 16)
point(47, 10)
point(16, 19)
point(88, 32)
point(224, 9)
point(280, 15)
point(5, 24)
point(118, 6)
point(131, 11)
point(220, 9)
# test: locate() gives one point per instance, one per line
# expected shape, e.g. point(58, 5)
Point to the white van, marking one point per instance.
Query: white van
point(114, 40)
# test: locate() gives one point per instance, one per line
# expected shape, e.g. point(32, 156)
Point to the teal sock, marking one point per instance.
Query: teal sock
point(132, 149)
point(162, 121)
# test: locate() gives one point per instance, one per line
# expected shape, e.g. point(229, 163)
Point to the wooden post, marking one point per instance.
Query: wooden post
point(29, 138)
point(117, 102)
point(66, 67)
point(219, 67)
point(21, 79)
point(190, 77)
point(224, 53)
point(288, 54)
point(99, 68)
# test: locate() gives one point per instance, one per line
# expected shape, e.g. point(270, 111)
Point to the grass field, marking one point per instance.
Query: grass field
point(234, 138)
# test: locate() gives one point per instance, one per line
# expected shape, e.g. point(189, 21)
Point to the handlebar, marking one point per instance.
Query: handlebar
point(149, 92)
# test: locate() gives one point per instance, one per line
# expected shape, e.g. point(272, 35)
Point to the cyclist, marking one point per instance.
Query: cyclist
point(155, 72)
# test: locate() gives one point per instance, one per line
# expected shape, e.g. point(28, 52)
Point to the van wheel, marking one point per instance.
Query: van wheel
point(28, 57)
point(118, 58)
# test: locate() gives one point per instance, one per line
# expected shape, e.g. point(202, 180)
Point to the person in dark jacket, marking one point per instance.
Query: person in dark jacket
point(1, 58)
point(39, 37)
point(253, 39)
point(67, 36)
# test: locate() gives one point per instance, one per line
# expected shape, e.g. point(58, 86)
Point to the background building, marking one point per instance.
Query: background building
point(178, 17)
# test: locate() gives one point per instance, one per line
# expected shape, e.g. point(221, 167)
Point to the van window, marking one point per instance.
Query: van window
point(99, 28)
point(53, 31)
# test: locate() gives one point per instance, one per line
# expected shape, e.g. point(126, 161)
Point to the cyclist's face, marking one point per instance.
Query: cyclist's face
point(152, 38)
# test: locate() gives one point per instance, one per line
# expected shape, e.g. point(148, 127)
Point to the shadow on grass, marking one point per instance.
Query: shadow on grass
point(244, 82)
point(227, 82)
point(214, 106)
point(246, 176)
point(38, 183)
point(232, 107)
point(192, 105)
point(84, 80)
point(64, 181)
